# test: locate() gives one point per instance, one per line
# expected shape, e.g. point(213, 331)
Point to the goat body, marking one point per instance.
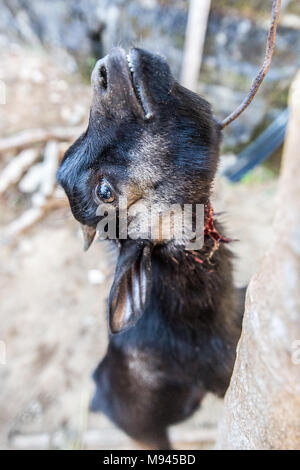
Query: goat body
point(156, 373)
point(174, 314)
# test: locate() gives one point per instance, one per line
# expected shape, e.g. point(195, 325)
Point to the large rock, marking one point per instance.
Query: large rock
point(262, 405)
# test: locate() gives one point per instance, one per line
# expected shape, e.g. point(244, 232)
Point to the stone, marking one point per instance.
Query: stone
point(262, 404)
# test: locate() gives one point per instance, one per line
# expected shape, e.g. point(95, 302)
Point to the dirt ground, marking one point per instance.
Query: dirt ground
point(52, 317)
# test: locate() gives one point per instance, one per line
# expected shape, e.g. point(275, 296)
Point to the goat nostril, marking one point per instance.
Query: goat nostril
point(103, 76)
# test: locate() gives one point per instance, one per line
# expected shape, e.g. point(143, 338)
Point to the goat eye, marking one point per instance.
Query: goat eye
point(104, 192)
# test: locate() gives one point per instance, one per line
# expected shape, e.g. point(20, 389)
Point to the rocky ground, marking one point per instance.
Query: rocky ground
point(53, 296)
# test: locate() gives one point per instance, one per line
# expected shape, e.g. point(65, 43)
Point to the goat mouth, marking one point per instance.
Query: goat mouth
point(139, 88)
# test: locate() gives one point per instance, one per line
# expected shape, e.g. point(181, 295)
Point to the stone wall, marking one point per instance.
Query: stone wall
point(234, 46)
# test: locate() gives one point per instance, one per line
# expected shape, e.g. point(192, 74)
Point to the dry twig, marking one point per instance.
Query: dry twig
point(16, 168)
point(45, 199)
point(30, 218)
point(30, 137)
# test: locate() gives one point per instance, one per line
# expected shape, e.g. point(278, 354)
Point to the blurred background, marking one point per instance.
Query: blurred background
point(52, 295)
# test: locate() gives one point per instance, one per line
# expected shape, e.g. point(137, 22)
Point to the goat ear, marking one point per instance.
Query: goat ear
point(131, 288)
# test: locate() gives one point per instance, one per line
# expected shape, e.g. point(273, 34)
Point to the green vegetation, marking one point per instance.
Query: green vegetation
point(251, 7)
point(259, 175)
point(86, 67)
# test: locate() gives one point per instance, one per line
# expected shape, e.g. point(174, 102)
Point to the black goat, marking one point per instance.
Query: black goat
point(176, 311)
point(149, 136)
